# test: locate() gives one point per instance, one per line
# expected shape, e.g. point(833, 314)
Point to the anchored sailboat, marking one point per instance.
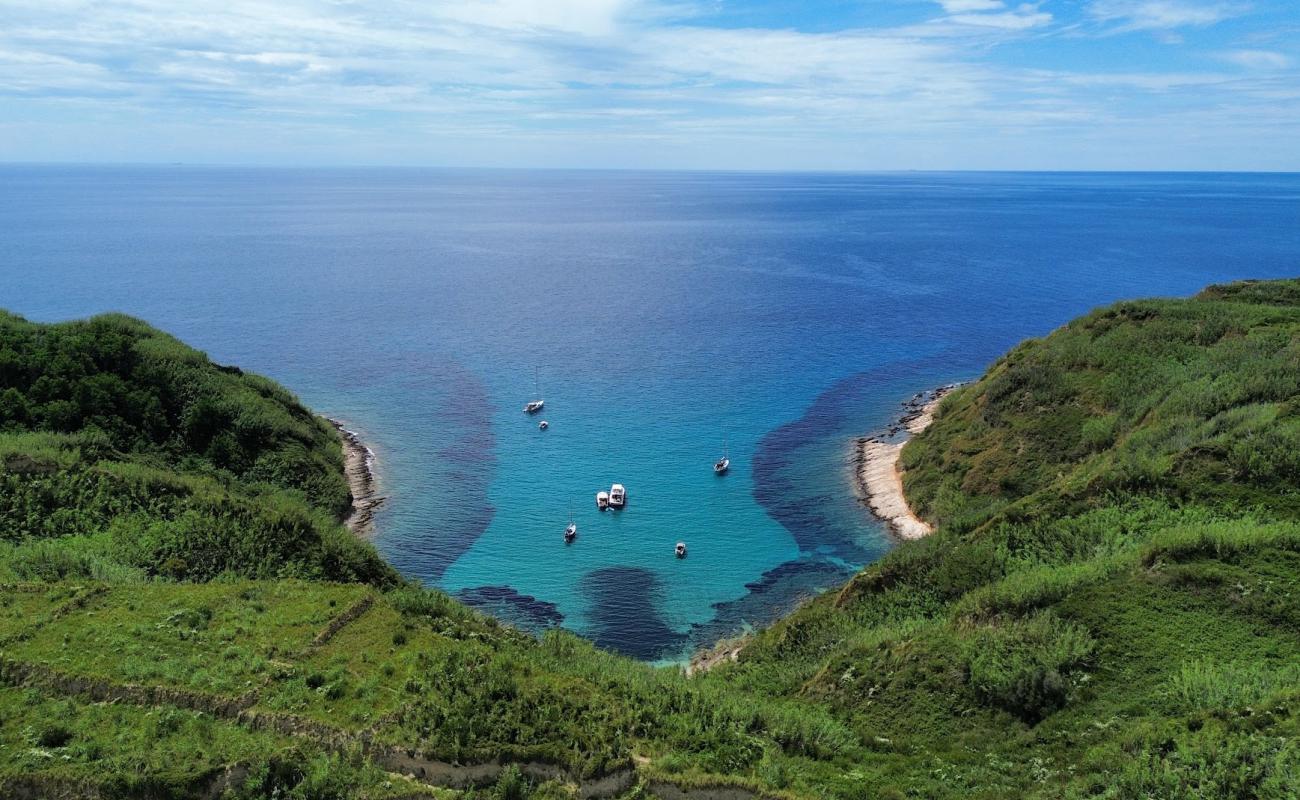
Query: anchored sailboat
point(722, 464)
point(571, 531)
point(533, 406)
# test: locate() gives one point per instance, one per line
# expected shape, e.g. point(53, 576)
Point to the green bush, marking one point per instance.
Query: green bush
point(1027, 667)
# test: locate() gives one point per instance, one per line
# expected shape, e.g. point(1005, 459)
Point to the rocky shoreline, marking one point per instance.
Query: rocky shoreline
point(879, 481)
point(721, 652)
point(359, 467)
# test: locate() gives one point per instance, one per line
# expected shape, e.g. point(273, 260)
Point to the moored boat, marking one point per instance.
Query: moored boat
point(680, 549)
point(533, 406)
point(723, 464)
point(617, 496)
point(602, 500)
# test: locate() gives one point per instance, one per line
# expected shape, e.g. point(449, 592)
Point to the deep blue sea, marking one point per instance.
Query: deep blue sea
point(663, 313)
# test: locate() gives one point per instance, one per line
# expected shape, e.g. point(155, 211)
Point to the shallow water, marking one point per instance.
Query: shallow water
point(664, 312)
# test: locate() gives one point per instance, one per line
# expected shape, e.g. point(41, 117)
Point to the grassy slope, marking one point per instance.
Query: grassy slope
point(1110, 605)
point(1108, 609)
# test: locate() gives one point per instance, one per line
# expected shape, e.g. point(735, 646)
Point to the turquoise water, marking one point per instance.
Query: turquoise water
point(664, 312)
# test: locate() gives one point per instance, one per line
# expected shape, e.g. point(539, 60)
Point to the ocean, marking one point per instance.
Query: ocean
point(665, 316)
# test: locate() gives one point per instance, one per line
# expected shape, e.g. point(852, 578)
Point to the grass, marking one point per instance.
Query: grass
point(1234, 686)
point(63, 738)
point(217, 638)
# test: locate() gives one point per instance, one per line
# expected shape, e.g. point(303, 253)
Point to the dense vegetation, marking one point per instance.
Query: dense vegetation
point(127, 454)
point(1110, 607)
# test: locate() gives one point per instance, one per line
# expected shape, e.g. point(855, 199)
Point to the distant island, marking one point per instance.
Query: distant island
point(1106, 606)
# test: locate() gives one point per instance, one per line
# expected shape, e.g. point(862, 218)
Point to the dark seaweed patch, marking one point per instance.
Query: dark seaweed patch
point(510, 606)
point(625, 613)
point(773, 595)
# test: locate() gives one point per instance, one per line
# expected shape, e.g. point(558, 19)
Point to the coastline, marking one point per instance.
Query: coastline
point(880, 487)
point(359, 468)
point(721, 652)
point(879, 480)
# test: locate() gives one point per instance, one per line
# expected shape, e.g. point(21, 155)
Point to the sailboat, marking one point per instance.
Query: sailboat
point(571, 531)
point(533, 406)
point(722, 464)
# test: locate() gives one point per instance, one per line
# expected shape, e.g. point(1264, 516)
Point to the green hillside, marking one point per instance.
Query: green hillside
point(1109, 608)
point(127, 456)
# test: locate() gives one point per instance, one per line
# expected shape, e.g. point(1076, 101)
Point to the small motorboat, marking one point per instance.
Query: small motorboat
point(543, 425)
point(680, 549)
point(602, 500)
point(617, 496)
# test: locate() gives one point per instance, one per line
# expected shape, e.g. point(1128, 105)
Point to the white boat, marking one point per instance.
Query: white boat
point(543, 425)
point(533, 406)
point(722, 464)
point(570, 530)
point(617, 496)
point(602, 500)
point(680, 549)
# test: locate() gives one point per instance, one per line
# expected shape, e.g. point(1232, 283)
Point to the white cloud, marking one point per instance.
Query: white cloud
point(968, 6)
point(1257, 59)
point(993, 14)
point(1020, 19)
point(507, 75)
point(586, 17)
point(1132, 15)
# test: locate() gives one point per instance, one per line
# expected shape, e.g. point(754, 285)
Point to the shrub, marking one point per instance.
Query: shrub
point(512, 785)
point(53, 735)
point(1026, 666)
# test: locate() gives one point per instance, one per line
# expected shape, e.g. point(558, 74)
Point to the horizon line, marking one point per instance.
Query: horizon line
point(697, 170)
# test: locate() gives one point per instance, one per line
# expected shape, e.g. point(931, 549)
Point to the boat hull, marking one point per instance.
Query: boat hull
point(617, 496)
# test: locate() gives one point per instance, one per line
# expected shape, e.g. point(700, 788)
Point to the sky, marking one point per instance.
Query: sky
point(677, 84)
